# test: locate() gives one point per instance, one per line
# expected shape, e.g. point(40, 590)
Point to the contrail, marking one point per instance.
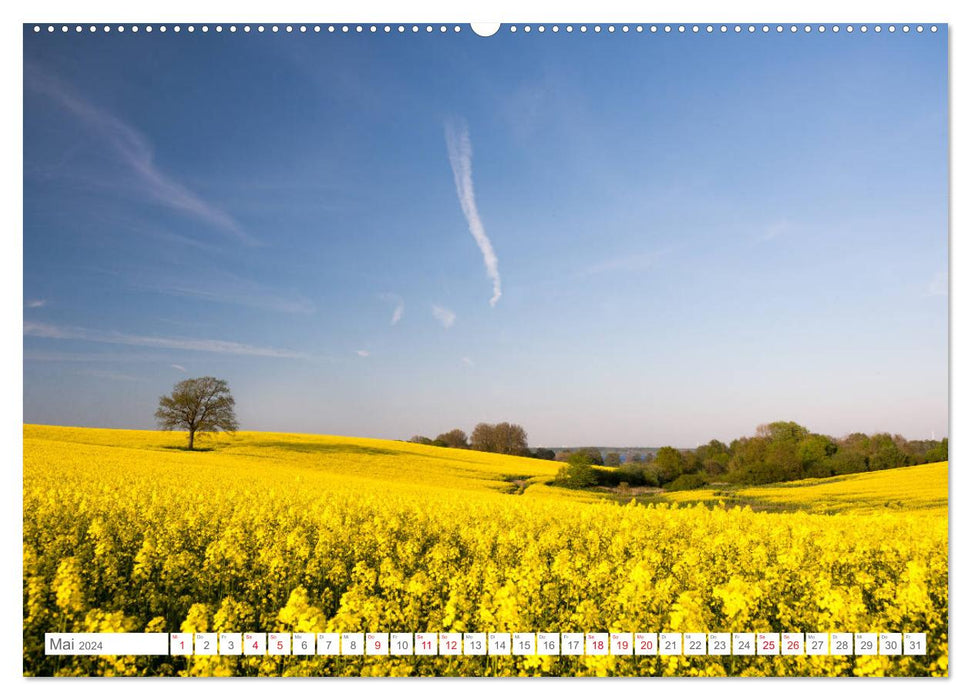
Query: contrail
point(133, 150)
point(460, 157)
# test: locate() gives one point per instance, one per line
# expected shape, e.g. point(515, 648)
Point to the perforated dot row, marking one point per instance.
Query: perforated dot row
point(723, 28)
point(246, 28)
point(513, 29)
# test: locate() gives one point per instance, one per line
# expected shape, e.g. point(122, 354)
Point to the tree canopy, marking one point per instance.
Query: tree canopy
point(504, 438)
point(453, 438)
point(200, 405)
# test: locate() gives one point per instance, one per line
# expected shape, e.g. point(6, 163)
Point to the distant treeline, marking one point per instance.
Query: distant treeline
point(780, 451)
point(502, 438)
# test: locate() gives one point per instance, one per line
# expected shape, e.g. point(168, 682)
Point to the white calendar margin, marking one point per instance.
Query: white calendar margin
point(834, 11)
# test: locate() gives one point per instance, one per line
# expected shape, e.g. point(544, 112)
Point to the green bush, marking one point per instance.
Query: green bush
point(576, 476)
point(686, 482)
point(578, 473)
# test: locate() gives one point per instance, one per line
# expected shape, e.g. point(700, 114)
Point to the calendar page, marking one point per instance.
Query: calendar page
point(484, 350)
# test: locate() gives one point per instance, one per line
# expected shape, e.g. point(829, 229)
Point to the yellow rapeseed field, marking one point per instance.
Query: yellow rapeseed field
point(922, 488)
point(123, 531)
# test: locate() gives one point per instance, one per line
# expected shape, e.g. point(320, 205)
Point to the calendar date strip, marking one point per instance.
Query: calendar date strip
point(486, 644)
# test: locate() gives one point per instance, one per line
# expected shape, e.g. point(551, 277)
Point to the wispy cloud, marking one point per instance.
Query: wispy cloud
point(399, 306)
point(36, 303)
point(226, 288)
point(460, 158)
point(625, 263)
point(87, 357)
point(106, 374)
point(133, 150)
point(225, 347)
point(775, 229)
point(178, 367)
point(363, 353)
point(445, 316)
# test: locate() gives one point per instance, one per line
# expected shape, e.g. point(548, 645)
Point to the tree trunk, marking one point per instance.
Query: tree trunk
point(192, 436)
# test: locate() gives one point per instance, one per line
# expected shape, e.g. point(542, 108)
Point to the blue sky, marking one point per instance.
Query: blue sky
point(610, 239)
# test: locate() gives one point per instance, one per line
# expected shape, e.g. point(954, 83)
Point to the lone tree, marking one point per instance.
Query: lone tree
point(201, 405)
